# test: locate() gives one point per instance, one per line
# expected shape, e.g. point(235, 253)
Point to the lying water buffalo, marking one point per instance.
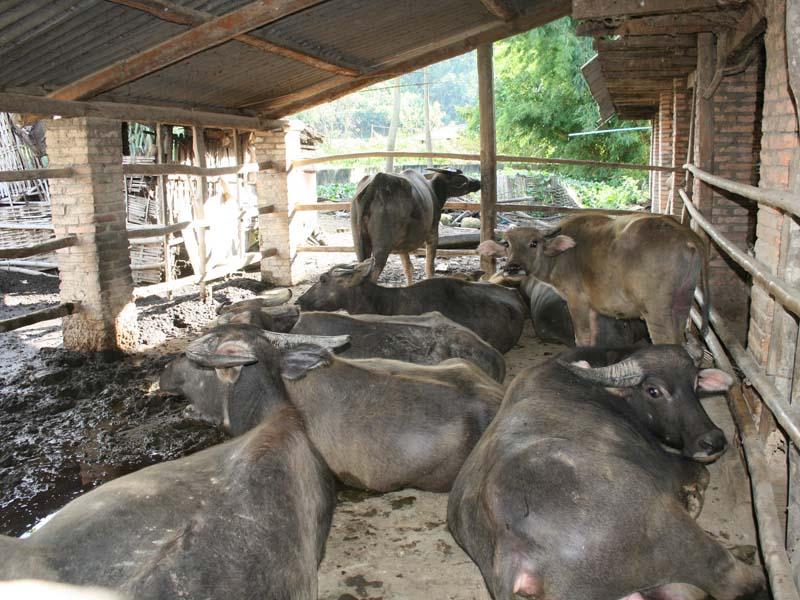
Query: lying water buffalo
point(426, 339)
point(552, 321)
point(492, 311)
point(570, 493)
point(379, 424)
point(398, 213)
point(245, 519)
point(624, 267)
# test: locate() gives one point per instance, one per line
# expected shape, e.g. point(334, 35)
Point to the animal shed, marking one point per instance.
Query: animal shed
point(717, 80)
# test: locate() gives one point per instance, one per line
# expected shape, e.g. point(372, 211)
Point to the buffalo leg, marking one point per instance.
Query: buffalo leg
point(407, 267)
point(381, 256)
point(582, 323)
point(430, 256)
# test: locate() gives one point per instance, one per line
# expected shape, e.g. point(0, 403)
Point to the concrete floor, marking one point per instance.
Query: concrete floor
point(397, 545)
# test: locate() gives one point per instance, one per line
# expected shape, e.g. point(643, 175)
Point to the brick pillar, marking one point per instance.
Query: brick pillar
point(664, 149)
point(278, 191)
point(653, 175)
point(681, 117)
point(96, 272)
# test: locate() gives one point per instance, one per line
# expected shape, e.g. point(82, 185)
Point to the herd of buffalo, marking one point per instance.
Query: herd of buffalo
point(580, 480)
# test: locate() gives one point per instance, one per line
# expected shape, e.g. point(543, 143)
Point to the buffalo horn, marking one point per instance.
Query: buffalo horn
point(200, 352)
point(287, 341)
point(275, 297)
point(625, 373)
point(446, 171)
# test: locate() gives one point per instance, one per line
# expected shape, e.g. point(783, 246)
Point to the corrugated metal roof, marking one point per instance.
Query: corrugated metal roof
point(48, 44)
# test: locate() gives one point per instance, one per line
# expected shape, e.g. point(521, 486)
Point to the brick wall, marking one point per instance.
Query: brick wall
point(664, 155)
point(281, 189)
point(681, 117)
point(654, 178)
point(96, 272)
point(737, 112)
point(779, 143)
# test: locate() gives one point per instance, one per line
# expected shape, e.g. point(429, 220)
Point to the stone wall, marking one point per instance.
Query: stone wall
point(95, 272)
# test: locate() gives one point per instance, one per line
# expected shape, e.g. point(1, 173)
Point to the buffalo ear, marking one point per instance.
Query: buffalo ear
point(361, 271)
point(228, 374)
point(714, 380)
point(492, 248)
point(296, 363)
point(558, 244)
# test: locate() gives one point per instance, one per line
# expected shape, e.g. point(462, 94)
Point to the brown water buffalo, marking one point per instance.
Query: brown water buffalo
point(626, 267)
point(245, 519)
point(379, 424)
point(494, 312)
point(398, 213)
point(570, 492)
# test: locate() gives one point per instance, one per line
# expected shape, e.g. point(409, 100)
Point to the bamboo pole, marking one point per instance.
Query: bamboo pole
point(787, 295)
point(196, 171)
point(37, 316)
point(488, 151)
point(785, 201)
point(770, 531)
point(40, 248)
point(10, 225)
point(157, 230)
point(301, 162)
point(199, 141)
point(29, 174)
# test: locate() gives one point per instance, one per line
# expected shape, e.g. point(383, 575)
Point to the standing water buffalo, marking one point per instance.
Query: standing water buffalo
point(245, 519)
point(398, 213)
point(624, 267)
point(492, 311)
point(379, 424)
point(571, 494)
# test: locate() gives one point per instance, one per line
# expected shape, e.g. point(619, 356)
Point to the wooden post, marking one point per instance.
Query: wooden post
point(426, 85)
point(198, 137)
point(704, 124)
point(239, 159)
point(163, 202)
point(488, 150)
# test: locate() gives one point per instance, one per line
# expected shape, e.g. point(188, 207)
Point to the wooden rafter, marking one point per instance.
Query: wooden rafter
point(183, 15)
point(500, 9)
point(335, 87)
point(604, 9)
point(665, 42)
point(683, 23)
point(211, 33)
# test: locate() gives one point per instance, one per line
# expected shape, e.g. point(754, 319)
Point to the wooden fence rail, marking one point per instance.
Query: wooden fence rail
point(418, 251)
point(786, 201)
point(36, 316)
point(156, 230)
point(476, 157)
point(194, 170)
point(40, 248)
point(476, 207)
point(28, 174)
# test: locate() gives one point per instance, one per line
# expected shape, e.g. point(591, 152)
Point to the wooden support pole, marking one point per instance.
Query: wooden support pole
point(163, 203)
point(40, 248)
point(199, 140)
point(704, 123)
point(37, 316)
point(488, 150)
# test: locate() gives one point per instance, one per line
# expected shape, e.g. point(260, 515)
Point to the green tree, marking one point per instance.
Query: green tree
point(541, 97)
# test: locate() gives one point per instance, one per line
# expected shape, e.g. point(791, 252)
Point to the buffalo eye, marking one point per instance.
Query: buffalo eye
point(533, 244)
point(653, 392)
point(504, 243)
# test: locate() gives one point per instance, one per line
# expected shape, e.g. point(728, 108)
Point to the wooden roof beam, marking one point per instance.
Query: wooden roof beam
point(183, 15)
point(682, 24)
point(335, 87)
point(211, 33)
point(604, 9)
point(642, 42)
point(500, 9)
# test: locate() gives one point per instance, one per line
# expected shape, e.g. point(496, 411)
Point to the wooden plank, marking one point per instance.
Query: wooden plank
point(143, 231)
point(539, 13)
point(30, 174)
point(684, 23)
point(37, 316)
point(211, 33)
point(11, 225)
point(42, 106)
point(500, 9)
point(702, 194)
point(752, 24)
point(184, 15)
point(649, 41)
point(40, 248)
point(488, 151)
point(165, 206)
point(605, 9)
point(193, 170)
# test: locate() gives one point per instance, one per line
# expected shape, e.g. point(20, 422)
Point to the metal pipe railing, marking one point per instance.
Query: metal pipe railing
point(786, 294)
point(779, 199)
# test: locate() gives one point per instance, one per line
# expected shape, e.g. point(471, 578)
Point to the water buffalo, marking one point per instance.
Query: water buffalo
point(552, 321)
point(624, 267)
point(245, 519)
point(492, 311)
point(379, 424)
point(398, 213)
point(571, 492)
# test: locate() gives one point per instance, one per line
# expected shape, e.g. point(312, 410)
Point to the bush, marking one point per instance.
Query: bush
point(336, 191)
point(626, 192)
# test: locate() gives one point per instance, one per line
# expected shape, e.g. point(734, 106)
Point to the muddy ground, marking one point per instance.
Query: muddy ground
point(70, 421)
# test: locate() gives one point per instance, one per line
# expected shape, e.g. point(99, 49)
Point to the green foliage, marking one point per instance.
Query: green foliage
point(336, 191)
point(626, 192)
point(541, 97)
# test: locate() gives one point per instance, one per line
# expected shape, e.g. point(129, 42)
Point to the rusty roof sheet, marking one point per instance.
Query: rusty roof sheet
point(48, 44)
